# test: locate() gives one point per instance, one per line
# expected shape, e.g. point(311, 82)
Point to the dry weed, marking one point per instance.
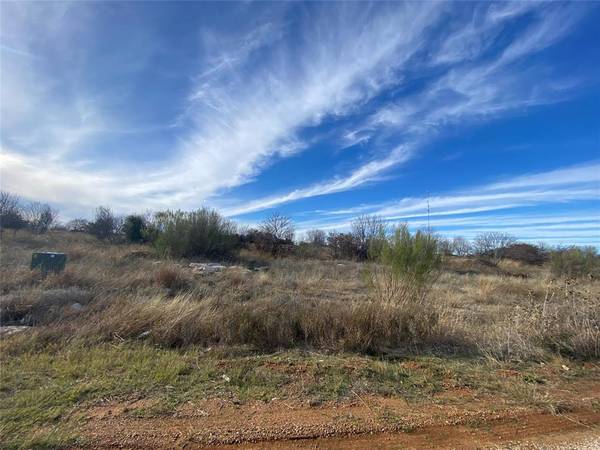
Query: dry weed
point(126, 293)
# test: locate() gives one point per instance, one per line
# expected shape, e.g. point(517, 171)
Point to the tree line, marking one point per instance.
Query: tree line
point(206, 233)
point(35, 216)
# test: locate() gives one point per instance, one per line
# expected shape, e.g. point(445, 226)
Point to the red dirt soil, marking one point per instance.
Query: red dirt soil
point(367, 422)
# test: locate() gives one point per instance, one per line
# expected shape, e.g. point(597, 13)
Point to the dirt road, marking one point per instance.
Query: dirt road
point(459, 421)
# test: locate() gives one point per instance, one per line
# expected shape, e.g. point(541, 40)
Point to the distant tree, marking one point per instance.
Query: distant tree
point(342, 245)
point(8, 202)
point(278, 226)
point(11, 214)
point(488, 244)
point(445, 246)
point(574, 262)
point(316, 237)
point(134, 227)
point(526, 253)
point(544, 248)
point(78, 225)
point(460, 246)
point(275, 235)
point(105, 223)
point(202, 233)
point(369, 234)
point(40, 217)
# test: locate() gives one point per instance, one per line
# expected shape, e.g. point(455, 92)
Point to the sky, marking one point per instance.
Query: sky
point(461, 117)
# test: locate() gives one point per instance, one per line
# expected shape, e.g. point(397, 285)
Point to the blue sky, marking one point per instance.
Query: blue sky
point(489, 112)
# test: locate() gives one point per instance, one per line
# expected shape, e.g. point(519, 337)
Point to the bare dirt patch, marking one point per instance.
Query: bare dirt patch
point(365, 422)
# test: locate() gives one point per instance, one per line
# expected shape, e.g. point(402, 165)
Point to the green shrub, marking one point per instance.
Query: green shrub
point(408, 266)
point(134, 228)
point(202, 233)
point(575, 262)
point(105, 224)
point(415, 257)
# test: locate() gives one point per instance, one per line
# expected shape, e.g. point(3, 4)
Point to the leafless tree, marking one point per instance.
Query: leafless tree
point(78, 225)
point(40, 216)
point(460, 246)
point(317, 237)
point(105, 224)
point(342, 245)
point(444, 246)
point(11, 214)
point(368, 232)
point(489, 243)
point(8, 202)
point(278, 226)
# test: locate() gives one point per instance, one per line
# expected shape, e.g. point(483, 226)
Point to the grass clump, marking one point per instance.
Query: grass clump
point(38, 306)
point(565, 322)
point(172, 278)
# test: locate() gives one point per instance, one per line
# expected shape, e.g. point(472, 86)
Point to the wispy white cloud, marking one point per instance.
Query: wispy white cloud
point(510, 205)
point(585, 173)
point(475, 91)
point(253, 96)
point(369, 172)
point(236, 122)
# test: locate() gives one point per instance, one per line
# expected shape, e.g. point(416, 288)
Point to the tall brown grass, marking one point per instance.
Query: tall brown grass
point(127, 294)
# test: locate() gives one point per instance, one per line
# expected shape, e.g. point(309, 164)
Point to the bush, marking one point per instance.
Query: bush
point(316, 237)
point(172, 278)
point(342, 245)
point(308, 250)
point(202, 233)
point(369, 234)
point(461, 247)
point(105, 224)
point(575, 262)
point(134, 228)
point(413, 257)
point(275, 235)
point(525, 253)
point(40, 217)
point(489, 244)
point(78, 225)
point(268, 243)
point(11, 214)
point(408, 266)
point(314, 247)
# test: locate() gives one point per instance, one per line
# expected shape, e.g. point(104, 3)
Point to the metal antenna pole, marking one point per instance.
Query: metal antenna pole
point(428, 227)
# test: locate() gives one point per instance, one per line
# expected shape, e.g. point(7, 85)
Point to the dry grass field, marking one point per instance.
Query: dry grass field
point(122, 340)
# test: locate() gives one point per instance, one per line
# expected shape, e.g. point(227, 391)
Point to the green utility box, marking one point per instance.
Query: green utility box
point(48, 261)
